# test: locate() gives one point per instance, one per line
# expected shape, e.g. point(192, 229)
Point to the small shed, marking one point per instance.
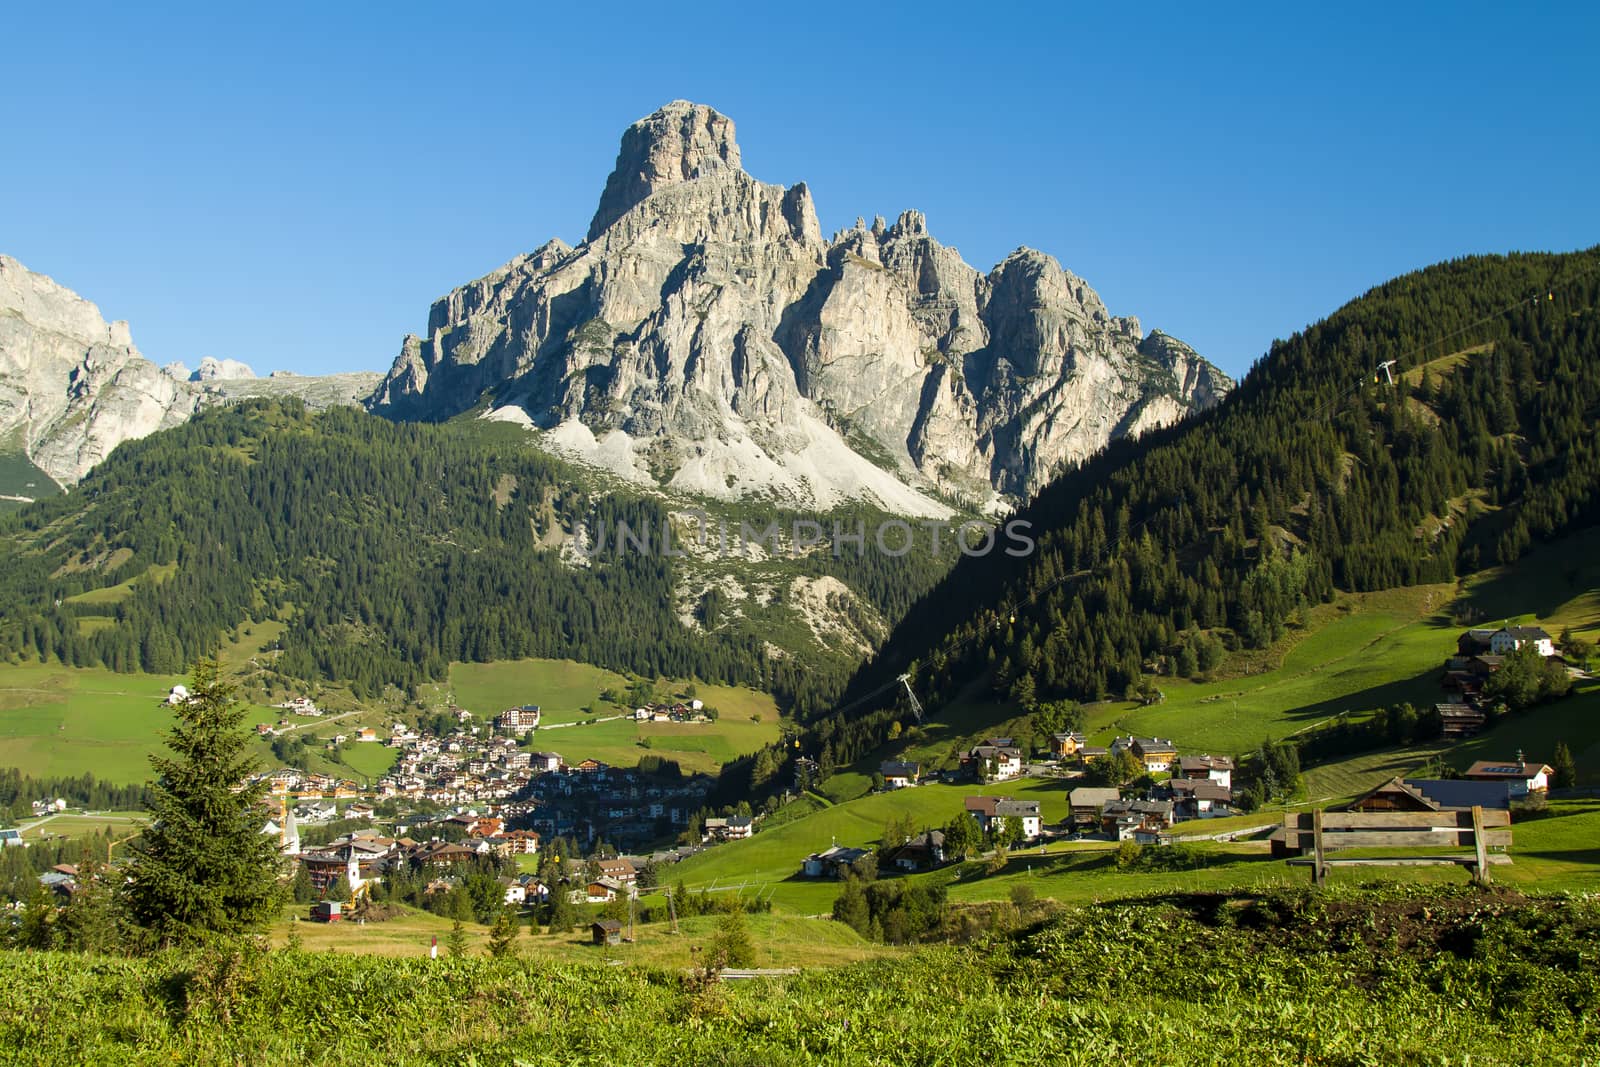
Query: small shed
point(326, 911)
point(606, 932)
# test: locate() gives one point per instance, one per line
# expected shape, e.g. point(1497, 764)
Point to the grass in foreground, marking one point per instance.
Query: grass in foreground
point(1357, 976)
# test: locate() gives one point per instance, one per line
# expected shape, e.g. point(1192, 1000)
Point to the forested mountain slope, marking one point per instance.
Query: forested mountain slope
point(389, 550)
point(1315, 475)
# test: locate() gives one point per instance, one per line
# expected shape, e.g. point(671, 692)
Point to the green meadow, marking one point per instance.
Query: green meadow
point(563, 689)
point(57, 721)
point(1556, 850)
point(769, 862)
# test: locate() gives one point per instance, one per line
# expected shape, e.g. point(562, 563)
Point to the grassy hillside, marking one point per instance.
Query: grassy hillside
point(68, 721)
point(1360, 652)
point(769, 862)
point(782, 940)
point(1558, 851)
point(57, 720)
point(1278, 978)
point(20, 478)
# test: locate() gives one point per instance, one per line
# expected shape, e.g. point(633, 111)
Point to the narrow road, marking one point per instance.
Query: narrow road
point(582, 722)
point(319, 722)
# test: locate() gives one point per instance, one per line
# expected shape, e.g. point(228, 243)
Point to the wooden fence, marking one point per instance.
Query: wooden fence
point(1316, 833)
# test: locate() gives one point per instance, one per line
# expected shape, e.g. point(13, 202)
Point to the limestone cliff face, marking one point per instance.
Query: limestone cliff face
point(73, 387)
point(707, 337)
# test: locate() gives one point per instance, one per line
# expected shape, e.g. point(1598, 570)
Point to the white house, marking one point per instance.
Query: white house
point(1520, 776)
point(898, 774)
point(997, 759)
point(1506, 641)
point(991, 811)
point(1218, 769)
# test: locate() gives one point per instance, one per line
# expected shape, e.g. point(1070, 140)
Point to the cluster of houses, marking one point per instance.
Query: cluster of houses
point(593, 801)
point(363, 857)
point(1479, 653)
point(999, 759)
point(461, 768)
point(471, 768)
point(305, 785)
point(1200, 787)
point(925, 851)
point(684, 711)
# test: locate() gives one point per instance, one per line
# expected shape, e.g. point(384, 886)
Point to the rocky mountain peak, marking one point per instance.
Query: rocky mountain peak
point(678, 143)
point(706, 337)
point(73, 386)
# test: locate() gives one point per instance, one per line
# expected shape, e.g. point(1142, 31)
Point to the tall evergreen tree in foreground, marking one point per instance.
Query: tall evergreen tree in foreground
point(204, 867)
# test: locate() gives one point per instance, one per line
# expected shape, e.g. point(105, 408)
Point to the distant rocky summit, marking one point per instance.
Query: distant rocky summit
point(211, 369)
point(705, 336)
point(73, 387)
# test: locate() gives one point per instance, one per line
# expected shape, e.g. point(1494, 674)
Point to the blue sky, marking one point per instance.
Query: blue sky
point(293, 188)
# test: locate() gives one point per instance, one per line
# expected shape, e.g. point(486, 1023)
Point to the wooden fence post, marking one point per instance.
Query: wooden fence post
point(1481, 875)
point(1318, 871)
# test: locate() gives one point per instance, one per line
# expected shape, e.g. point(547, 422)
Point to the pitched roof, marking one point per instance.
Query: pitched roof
point(1397, 785)
point(1205, 763)
point(1017, 807)
point(1199, 788)
point(1519, 769)
point(1092, 796)
point(839, 854)
point(1463, 795)
point(1458, 711)
point(899, 769)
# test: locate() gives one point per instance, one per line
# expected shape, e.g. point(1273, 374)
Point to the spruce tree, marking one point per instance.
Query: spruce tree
point(455, 941)
point(1565, 768)
point(203, 866)
point(562, 913)
point(731, 945)
point(502, 936)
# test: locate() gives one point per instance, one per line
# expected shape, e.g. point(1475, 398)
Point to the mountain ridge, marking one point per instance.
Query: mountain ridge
point(706, 323)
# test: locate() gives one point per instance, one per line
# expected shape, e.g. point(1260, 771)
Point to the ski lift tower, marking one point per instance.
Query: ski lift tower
point(1384, 366)
point(916, 705)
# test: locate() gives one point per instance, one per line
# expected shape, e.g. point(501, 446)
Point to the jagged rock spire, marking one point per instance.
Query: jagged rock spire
point(677, 143)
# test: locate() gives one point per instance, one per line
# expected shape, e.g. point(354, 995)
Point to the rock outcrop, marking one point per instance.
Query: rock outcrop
point(705, 336)
point(73, 387)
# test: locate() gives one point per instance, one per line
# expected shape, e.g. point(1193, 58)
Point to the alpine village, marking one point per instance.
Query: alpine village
point(716, 641)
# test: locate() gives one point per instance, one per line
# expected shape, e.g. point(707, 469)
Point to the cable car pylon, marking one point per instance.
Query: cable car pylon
point(916, 705)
